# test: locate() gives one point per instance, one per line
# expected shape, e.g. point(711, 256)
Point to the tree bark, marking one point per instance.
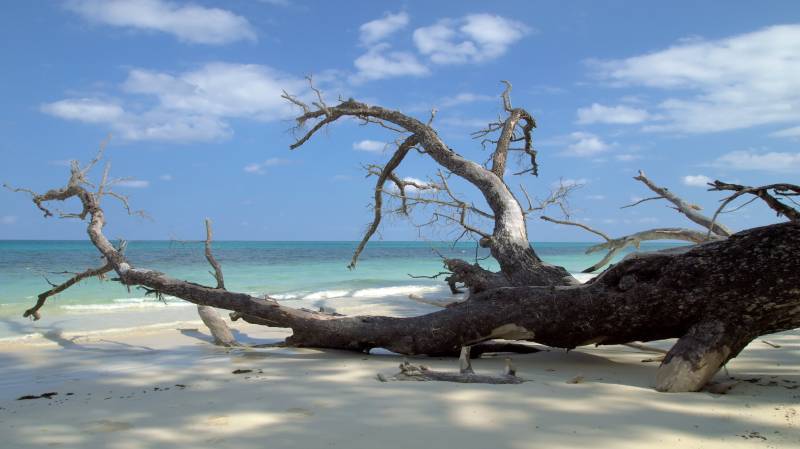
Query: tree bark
point(715, 298)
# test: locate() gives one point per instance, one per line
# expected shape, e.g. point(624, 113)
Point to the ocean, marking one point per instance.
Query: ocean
point(302, 274)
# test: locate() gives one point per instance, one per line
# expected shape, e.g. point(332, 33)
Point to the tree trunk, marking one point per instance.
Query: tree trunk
point(715, 297)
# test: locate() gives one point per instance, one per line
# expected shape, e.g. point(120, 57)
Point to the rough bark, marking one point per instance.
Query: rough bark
point(747, 282)
point(715, 298)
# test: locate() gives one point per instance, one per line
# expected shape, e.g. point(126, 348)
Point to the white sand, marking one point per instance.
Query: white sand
point(124, 395)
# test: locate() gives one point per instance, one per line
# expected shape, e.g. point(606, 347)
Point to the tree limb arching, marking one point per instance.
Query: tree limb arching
point(33, 312)
point(508, 241)
point(784, 190)
point(715, 297)
point(690, 210)
point(615, 245)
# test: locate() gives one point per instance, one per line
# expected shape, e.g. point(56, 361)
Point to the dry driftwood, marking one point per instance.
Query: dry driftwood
point(715, 297)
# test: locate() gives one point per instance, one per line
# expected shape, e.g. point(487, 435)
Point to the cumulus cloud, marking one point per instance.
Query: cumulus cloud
point(618, 115)
point(87, 110)
point(132, 183)
point(372, 146)
point(219, 90)
point(189, 22)
point(260, 168)
point(471, 39)
point(749, 160)
point(696, 180)
point(381, 62)
point(193, 106)
point(717, 85)
point(583, 144)
point(379, 29)
point(793, 133)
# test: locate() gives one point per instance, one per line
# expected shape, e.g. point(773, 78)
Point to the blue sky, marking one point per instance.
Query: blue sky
point(190, 93)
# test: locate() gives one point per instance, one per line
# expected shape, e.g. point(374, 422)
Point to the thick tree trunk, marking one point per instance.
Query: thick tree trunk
point(715, 297)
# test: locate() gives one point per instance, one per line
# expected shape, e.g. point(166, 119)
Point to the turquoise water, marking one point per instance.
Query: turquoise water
point(285, 270)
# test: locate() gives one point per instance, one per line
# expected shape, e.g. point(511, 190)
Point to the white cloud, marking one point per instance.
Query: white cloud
point(87, 110)
point(166, 177)
point(585, 144)
point(595, 197)
point(750, 160)
point(189, 22)
point(792, 133)
point(192, 106)
point(372, 146)
point(465, 98)
point(696, 180)
point(132, 183)
point(220, 89)
point(8, 219)
point(379, 63)
point(618, 115)
point(473, 38)
point(259, 168)
point(732, 83)
point(378, 29)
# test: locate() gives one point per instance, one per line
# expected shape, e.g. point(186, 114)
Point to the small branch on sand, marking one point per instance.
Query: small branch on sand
point(465, 375)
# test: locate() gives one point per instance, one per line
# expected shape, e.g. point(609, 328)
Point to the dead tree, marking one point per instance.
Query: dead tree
point(715, 297)
point(714, 230)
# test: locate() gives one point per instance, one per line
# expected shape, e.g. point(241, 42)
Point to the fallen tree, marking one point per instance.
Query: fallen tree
point(714, 297)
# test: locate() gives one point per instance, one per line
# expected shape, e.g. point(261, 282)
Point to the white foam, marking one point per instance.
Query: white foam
point(400, 290)
point(127, 303)
point(584, 277)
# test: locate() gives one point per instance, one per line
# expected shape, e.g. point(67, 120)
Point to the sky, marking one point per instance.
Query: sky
point(190, 94)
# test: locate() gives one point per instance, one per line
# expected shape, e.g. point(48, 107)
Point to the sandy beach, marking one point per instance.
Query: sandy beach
point(167, 386)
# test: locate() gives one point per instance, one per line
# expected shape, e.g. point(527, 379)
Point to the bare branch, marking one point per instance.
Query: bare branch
point(557, 197)
point(636, 203)
point(690, 210)
point(216, 325)
point(33, 312)
point(613, 246)
point(580, 225)
point(393, 163)
point(210, 257)
point(784, 190)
